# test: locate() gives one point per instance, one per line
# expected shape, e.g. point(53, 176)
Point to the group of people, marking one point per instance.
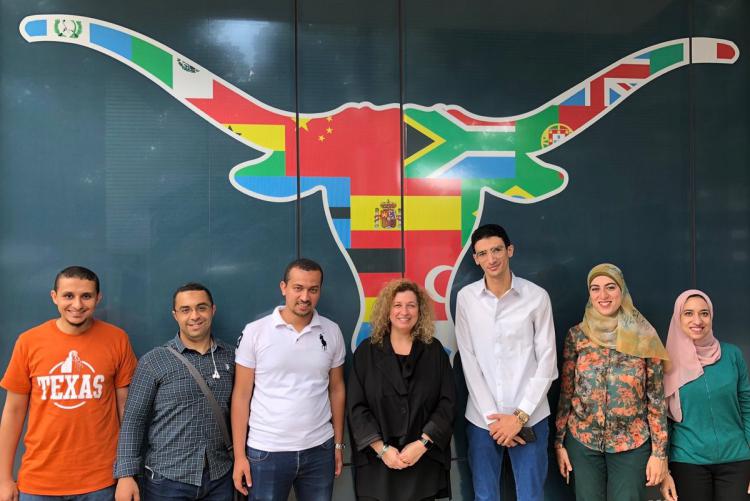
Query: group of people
point(197, 418)
point(633, 413)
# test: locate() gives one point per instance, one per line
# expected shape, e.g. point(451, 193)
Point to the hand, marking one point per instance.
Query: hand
point(411, 453)
point(656, 470)
point(127, 490)
point(563, 463)
point(392, 459)
point(668, 490)
point(514, 441)
point(8, 491)
point(517, 440)
point(241, 474)
point(504, 428)
point(339, 463)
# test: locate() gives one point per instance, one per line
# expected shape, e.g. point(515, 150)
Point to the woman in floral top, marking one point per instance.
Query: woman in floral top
point(611, 418)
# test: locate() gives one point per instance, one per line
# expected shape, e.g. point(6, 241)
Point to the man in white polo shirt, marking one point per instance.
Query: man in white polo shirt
point(506, 339)
point(289, 388)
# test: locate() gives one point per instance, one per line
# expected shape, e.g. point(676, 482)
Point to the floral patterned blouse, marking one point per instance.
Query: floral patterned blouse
point(609, 401)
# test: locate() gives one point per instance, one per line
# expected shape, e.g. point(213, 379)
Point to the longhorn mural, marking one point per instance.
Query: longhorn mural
point(451, 157)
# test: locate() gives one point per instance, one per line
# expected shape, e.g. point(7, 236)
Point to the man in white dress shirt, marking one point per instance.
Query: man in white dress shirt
point(506, 339)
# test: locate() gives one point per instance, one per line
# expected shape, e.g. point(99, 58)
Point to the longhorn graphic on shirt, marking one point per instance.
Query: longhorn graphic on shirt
point(73, 361)
point(352, 154)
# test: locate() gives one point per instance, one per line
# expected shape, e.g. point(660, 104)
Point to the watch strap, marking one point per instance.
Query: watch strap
point(523, 418)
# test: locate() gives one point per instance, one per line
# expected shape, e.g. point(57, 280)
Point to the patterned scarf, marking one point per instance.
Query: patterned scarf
point(628, 331)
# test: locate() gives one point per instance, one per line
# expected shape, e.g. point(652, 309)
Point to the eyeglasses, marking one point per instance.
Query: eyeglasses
point(495, 252)
point(201, 308)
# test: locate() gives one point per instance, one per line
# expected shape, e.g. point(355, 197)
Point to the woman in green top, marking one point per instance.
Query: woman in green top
point(708, 399)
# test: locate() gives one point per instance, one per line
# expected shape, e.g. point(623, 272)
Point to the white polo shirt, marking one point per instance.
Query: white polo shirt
point(508, 350)
point(290, 409)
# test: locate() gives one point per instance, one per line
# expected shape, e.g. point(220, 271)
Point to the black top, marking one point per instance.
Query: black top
point(396, 401)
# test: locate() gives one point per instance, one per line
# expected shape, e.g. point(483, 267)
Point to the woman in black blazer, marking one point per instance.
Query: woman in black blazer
point(401, 401)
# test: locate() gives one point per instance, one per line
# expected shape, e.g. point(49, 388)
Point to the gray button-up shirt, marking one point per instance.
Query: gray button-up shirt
point(166, 405)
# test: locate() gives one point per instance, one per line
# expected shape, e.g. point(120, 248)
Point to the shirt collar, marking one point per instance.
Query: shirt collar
point(278, 320)
point(482, 289)
point(180, 346)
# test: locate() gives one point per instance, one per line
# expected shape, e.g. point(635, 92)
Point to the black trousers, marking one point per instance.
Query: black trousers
point(713, 482)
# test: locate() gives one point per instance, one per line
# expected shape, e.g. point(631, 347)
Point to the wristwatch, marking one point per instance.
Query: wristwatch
point(522, 416)
point(340, 447)
point(426, 442)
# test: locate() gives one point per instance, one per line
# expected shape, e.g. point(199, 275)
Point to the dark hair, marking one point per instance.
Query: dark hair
point(487, 231)
point(192, 286)
point(303, 264)
point(77, 272)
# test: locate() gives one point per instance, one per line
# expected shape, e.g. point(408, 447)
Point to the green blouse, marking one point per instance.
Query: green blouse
point(715, 425)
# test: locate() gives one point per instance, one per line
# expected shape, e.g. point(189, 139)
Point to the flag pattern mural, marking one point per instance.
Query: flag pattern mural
point(391, 210)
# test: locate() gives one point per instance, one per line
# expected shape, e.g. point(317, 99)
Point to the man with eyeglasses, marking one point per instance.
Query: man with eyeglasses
point(186, 457)
point(506, 340)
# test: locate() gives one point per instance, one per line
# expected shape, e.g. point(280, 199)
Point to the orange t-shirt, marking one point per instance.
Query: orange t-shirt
point(71, 438)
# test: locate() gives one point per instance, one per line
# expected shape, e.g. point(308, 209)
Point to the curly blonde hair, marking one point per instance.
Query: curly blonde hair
point(380, 321)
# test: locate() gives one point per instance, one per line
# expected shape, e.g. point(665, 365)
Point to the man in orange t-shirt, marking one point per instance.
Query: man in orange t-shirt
point(71, 375)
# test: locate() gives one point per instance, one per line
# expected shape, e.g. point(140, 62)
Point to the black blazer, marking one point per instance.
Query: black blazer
point(385, 404)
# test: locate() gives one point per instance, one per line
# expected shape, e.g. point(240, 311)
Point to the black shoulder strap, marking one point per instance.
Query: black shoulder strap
point(209, 396)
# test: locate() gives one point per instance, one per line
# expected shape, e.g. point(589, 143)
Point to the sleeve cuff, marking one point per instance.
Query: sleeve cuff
point(527, 406)
point(488, 421)
point(21, 390)
point(127, 468)
point(431, 430)
point(559, 441)
point(244, 362)
point(659, 450)
point(365, 443)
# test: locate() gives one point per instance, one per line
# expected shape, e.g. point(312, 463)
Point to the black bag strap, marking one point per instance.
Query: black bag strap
point(209, 396)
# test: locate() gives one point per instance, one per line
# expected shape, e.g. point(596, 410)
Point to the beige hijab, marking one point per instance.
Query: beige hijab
point(628, 331)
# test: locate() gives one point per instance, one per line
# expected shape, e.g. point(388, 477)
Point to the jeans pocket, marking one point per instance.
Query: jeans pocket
point(256, 455)
point(153, 476)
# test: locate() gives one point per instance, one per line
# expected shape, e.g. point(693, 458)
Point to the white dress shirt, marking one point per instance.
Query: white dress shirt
point(507, 348)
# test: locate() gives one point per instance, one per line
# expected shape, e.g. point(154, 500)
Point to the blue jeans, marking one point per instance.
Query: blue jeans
point(106, 494)
point(529, 464)
point(309, 471)
point(157, 487)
